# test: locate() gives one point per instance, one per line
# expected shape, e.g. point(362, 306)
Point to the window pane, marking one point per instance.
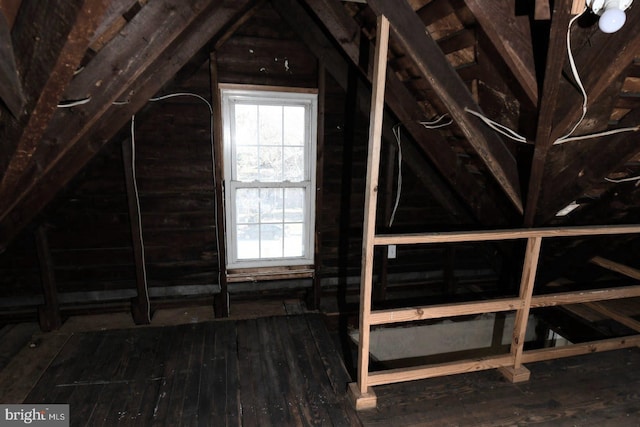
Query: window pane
point(247, 163)
point(294, 124)
point(294, 204)
point(270, 164)
point(294, 164)
point(270, 119)
point(246, 124)
point(247, 205)
point(271, 205)
point(271, 241)
point(247, 242)
point(293, 241)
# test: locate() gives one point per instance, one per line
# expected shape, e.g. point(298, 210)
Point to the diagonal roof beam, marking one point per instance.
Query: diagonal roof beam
point(615, 52)
point(137, 78)
point(50, 40)
point(582, 172)
point(402, 103)
point(550, 93)
point(510, 35)
point(10, 84)
point(449, 87)
point(335, 63)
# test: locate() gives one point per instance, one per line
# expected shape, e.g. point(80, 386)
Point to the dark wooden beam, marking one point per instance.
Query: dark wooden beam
point(590, 162)
point(452, 175)
point(221, 301)
point(49, 40)
point(410, 32)
point(600, 63)
point(140, 305)
point(10, 84)
point(49, 312)
point(550, 92)
point(141, 69)
point(435, 11)
point(511, 38)
point(316, 291)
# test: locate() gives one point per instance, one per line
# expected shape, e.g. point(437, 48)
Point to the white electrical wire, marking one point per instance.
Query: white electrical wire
point(156, 99)
point(396, 133)
point(498, 127)
point(585, 98)
point(597, 135)
point(135, 191)
point(69, 104)
point(436, 123)
point(632, 178)
point(576, 76)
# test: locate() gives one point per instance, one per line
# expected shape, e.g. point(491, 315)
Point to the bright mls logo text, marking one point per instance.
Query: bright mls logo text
point(42, 415)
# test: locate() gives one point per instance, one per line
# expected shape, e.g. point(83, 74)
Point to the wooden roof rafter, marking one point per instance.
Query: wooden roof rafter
point(550, 94)
point(600, 63)
point(510, 35)
point(585, 170)
point(409, 31)
point(587, 162)
point(402, 103)
point(83, 132)
point(46, 67)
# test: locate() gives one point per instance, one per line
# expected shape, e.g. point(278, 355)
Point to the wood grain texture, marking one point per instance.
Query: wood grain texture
point(453, 93)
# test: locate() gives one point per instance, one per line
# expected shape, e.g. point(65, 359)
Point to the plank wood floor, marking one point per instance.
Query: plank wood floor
point(285, 371)
point(276, 371)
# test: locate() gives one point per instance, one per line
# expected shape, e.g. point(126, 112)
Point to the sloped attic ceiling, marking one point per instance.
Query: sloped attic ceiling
point(503, 59)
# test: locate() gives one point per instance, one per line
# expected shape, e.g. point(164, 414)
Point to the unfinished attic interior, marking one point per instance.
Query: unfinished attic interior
point(321, 212)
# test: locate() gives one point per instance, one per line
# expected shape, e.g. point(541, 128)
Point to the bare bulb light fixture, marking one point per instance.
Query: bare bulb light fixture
point(612, 16)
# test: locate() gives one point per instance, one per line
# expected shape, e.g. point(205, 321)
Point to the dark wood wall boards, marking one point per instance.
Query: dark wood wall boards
point(49, 312)
point(140, 305)
point(93, 230)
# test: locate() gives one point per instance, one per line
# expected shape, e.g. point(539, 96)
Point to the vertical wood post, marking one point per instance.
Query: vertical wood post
point(363, 394)
point(140, 306)
point(517, 372)
point(49, 312)
point(316, 292)
point(220, 300)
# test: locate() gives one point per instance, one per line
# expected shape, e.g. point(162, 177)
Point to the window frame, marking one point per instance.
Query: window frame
point(230, 95)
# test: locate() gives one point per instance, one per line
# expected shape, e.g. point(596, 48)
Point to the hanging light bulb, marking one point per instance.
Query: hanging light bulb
point(612, 16)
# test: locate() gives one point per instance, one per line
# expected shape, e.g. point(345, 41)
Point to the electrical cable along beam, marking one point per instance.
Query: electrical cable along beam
point(510, 365)
point(82, 133)
point(400, 101)
point(451, 90)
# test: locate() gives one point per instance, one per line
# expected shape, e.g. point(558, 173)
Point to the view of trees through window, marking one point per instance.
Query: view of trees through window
point(270, 176)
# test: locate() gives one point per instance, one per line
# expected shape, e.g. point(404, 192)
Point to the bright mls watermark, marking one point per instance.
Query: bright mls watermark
point(36, 415)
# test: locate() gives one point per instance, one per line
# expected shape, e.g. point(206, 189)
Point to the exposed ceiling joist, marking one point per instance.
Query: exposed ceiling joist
point(600, 64)
point(585, 171)
point(511, 38)
point(143, 71)
point(46, 66)
point(551, 89)
point(451, 90)
point(344, 29)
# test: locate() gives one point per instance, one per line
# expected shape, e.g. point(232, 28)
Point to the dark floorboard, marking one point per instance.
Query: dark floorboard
point(285, 371)
point(274, 371)
point(594, 390)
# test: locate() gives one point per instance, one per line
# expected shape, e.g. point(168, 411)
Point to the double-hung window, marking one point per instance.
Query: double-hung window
point(269, 170)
